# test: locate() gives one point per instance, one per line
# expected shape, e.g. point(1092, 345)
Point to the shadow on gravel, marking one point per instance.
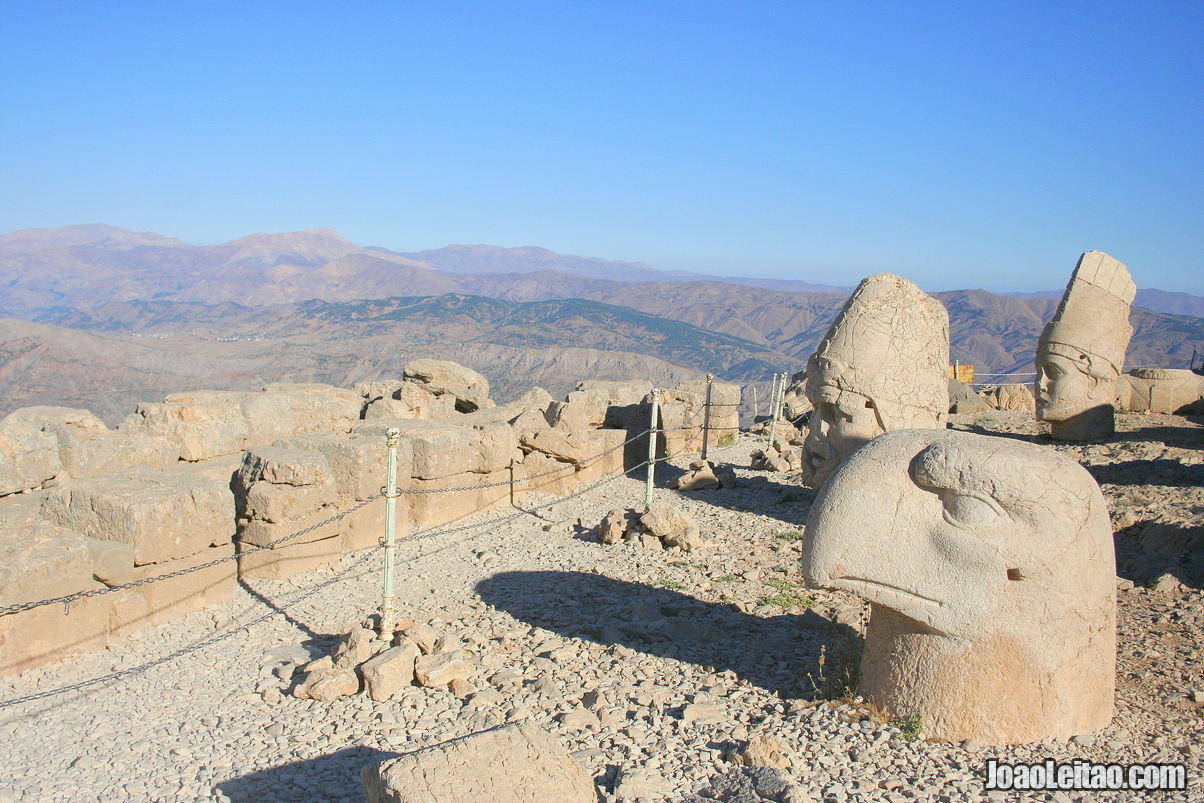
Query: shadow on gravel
point(781, 654)
point(1149, 472)
point(1149, 549)
point(787, 501)
point(335, 777)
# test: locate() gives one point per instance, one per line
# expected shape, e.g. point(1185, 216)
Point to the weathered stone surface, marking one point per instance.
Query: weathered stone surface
point(355, 648)
point(289, 558)
point(444, 449)
point(40, 560)
point(700, 477)
point(515, 763)
point(390, 671)
point(990, 570)
point(882, 366)
point(445, 378)
point(615, 524)
point(674, 528)
point(484, 492)
point(165, 513)
point(403, 399)
point(28, 454)
point(1082, 350)
point(1160, 390)
point(170, 599)
point(194, 426)
point(1010, 397)
point(764, 751)
point(282, 467)
point(333, 684)
point(112, 561)
point(440, 669)
point(963, 399)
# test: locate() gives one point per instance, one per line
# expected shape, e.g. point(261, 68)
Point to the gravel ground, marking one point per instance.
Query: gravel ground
point(651, 666)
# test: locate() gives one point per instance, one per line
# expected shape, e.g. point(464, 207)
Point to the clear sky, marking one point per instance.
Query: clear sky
point(961, 144)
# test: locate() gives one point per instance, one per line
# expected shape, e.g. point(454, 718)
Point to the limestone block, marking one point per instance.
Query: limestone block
point(430, 509)
point(1166, 390)
point(1082, 349)
point(528, 479)
point(165, 513)
point(883, 365)
point(41, 560)
point(674, 528)
point(357, 462)
point(196, 426)
point(112, 561)
point(989, 567)
point(577, 416)
point(288, 559)
point(287, 503)
point(257, 532)
point(445, 378)
point(963, 399)
point(515, 763)
point(86, 446)
point(40, 635)
point(28, 454)
point(170, 599)
point(282, 467)
point(441, 449)
point(284, 409)
point(387, 673)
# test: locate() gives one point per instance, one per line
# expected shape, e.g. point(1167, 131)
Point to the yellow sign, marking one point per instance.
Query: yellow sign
point(962, 373)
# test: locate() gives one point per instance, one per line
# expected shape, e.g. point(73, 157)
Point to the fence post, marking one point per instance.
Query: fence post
point(773, 409)
point(756, 407)
point(387, 611)
point(706, 416)
point(656, 403)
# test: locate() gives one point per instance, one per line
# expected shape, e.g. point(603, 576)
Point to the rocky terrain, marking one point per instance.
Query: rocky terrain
point(654, 667)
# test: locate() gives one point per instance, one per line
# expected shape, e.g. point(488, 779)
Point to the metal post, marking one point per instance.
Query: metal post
point(773, 409)
point(756, 407)
point(656, 405)
point(387, 611)
point(706, 416)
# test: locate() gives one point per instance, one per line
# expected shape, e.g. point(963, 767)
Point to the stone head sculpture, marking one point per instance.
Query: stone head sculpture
point(883, 365)
point(990, 571)
point(1082, 350)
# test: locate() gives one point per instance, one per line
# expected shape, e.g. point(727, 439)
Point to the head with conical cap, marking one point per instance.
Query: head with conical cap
point(1082, 350)
point(882, 366)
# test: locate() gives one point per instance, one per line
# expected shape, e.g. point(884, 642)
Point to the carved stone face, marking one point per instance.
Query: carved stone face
point(840, 422)
point(989, 567)
point(1064, 388)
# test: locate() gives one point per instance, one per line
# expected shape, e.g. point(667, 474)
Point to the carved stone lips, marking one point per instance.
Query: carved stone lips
point(891, 596)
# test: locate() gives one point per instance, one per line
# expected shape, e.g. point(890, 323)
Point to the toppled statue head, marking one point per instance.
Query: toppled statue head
point(1082, 350)
point(990, 571)
point(883, 365)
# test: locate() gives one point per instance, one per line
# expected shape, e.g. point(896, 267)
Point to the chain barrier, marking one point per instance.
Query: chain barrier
point(96, 592)
point(200, 645)
point(67, 599)
point(279, 609)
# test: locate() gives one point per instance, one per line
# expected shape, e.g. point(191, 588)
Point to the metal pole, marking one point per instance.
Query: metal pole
point(706, 416)
point(773, 411)
point(387, 611)
point(756, 407)
point(656, 404)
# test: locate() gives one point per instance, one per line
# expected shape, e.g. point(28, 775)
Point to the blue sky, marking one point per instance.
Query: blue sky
point(959, 144)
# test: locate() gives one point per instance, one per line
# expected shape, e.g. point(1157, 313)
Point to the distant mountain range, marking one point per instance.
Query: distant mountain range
point(120, 309)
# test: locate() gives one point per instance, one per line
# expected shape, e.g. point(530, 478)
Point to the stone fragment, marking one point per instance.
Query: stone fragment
point(1082, 350)
point(580, 718)
point(28, 454)
point(963, 400)
point(333, 684)
point(442, 668)
point(390, 671)
point(425, 636)
point(445, 378)
point(764, 751)
point(1000, 623)
point(883, 365)
point(674, 528)
point(112, 561)
point(1159, 390)
point(615, 524)
point(700, 477)
point(355, 648)
point(703, 713)
point(514, 763)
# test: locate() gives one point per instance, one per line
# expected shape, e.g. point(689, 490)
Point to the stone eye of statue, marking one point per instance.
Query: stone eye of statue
point(968, 511)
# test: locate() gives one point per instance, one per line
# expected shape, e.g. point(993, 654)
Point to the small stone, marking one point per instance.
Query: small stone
point(442, 669)
point(703, 713)
point(579, 718)
point(334, 684)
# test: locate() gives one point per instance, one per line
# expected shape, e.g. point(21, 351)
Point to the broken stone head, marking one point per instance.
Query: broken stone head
point(882, 366)
point(989, 568)
point(1082, 350)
